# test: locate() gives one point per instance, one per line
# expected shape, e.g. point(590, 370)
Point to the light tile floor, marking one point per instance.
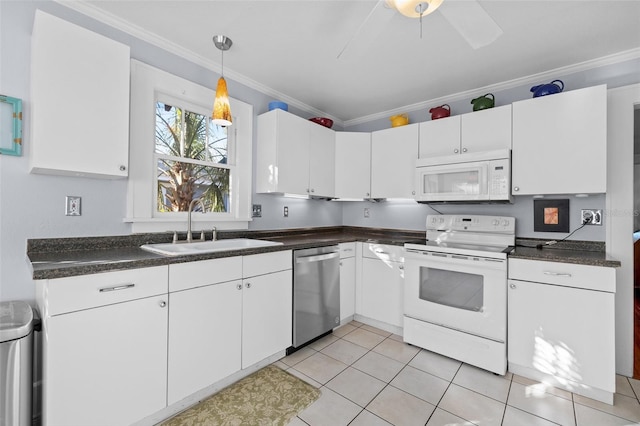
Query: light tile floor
point(370, 377)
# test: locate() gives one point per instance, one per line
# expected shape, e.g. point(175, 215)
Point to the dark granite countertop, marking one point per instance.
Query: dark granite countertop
point(65, 257)
point(578, 252)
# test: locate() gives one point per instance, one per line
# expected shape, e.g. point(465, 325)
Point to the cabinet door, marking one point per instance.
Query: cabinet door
point(440, 137)
point(560, 143)
point(347, 288)
point(266, 316)
point(106, 365)
point(393, 162)
point(292, 154)
point(205, 326)
point(322, 153)
point(353, 165)
point(486, 130)
point(382, 291)
point(80, 101)
point(566, 332)
point(282, 157)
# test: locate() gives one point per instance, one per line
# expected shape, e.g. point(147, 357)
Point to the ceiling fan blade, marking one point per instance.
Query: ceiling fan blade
point(472, 22)
point(367, 32)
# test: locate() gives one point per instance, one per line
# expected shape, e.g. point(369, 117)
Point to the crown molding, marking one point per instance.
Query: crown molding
point(107, 18)
point(615, 58)
point(104, 17)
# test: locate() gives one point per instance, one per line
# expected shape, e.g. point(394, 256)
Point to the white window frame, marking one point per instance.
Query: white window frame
point(148, 85)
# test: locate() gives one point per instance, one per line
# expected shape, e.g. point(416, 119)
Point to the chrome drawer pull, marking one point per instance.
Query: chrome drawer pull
point(117, 287)
point(557, 274)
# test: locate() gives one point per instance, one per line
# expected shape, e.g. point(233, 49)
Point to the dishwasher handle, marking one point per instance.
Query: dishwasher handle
point(317, 257)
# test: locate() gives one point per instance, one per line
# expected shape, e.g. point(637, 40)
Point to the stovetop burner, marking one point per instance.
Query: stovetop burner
point(474, 235)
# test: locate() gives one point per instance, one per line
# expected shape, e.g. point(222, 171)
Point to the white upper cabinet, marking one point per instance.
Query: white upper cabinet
point(560, 143)
point(478, 131)
point(486, 130)
point(393, 162)
point(294, 156)
point(322, 153)
point(80, 101)
point(440, 137)
point(353, 165)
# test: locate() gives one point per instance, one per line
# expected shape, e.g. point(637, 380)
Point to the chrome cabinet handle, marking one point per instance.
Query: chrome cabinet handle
point(162, 303)
point(122, 168)
point(464, 149)
point(401, 267)
point(556, 274)
point(368, 194)
point(239, 286)
point(516, 188)
point(456, 150)
point(248, 285)
point(116, 287)
point(512, 286)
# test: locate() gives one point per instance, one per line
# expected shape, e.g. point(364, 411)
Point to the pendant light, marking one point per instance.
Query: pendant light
point(221, 109)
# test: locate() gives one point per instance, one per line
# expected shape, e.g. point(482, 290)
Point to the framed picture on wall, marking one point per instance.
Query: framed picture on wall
point(10, 125)
point(551, 215)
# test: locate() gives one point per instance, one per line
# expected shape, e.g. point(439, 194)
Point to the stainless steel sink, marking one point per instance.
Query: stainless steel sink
point(178, 249)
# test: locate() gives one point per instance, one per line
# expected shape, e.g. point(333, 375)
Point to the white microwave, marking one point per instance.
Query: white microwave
point(482, 177)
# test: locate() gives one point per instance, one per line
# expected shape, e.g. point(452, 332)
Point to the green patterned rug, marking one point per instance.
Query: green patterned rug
point(269, 396)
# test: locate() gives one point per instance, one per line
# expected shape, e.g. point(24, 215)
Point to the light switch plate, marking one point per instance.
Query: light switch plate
point(73, 205)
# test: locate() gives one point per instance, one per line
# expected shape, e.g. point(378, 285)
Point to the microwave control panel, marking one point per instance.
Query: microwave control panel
point(499, 172)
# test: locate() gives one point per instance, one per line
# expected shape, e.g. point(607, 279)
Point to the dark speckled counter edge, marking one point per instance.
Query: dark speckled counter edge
point(65, 257)
point(591, 253)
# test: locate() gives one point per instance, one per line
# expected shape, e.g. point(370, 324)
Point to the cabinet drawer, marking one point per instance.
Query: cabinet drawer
point(260, 264)
point(565, 274)
point(183, 276)
point(383, 252)
point(347, 250)
point(89, 291)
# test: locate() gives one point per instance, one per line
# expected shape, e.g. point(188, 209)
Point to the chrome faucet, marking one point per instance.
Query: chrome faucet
point(191, 204)
point(214, 233)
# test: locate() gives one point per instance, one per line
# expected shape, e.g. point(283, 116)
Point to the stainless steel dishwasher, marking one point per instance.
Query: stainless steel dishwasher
point(316, 294)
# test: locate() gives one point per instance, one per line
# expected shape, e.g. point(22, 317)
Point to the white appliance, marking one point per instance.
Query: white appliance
point(481, 176)
point(455, 299)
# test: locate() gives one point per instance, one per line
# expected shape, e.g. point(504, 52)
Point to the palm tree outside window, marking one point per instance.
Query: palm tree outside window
point(194, 160)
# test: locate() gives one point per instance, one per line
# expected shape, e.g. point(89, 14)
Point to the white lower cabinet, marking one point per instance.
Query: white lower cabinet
point(267, 302)
point(226, 314)
point(382, 284)
point(562, 326)
point(204, 337)
point(104, 347)
point(347, 281)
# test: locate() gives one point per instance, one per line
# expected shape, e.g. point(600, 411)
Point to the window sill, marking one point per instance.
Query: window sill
point(149, 225)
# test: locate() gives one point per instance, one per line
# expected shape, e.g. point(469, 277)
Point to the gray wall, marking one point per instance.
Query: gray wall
point(31, 206)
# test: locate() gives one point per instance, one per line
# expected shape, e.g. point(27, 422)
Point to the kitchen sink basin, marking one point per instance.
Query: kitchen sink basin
point(198, 247)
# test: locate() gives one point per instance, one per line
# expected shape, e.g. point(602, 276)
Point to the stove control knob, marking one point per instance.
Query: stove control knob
point(505, 222)
point(495, 222)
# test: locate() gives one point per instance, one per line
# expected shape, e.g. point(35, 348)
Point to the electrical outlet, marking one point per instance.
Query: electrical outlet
point(73, 205)
point(366, 212)
point(591, 216)
point(286, 211)
point(257, 210)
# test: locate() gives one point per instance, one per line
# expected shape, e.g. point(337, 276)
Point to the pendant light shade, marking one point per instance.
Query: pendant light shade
point(416, 8)
point(221, 109)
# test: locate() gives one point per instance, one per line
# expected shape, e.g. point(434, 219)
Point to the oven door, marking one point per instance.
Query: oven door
point(461, 292)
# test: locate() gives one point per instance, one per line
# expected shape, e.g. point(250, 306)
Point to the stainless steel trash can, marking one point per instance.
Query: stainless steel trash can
point(16, 354)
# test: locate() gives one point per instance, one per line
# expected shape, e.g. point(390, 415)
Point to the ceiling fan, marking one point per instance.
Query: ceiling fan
point(468, 17)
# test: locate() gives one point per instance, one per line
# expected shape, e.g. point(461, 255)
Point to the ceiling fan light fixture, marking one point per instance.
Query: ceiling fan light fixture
point(416, 8)
point(221, 114)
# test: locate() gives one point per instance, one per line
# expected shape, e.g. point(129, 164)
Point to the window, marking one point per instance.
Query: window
point(193, 161)
point(178, 156)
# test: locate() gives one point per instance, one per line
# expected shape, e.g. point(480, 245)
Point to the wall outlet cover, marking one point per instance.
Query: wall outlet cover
point(257, 210)
point(73, 204)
